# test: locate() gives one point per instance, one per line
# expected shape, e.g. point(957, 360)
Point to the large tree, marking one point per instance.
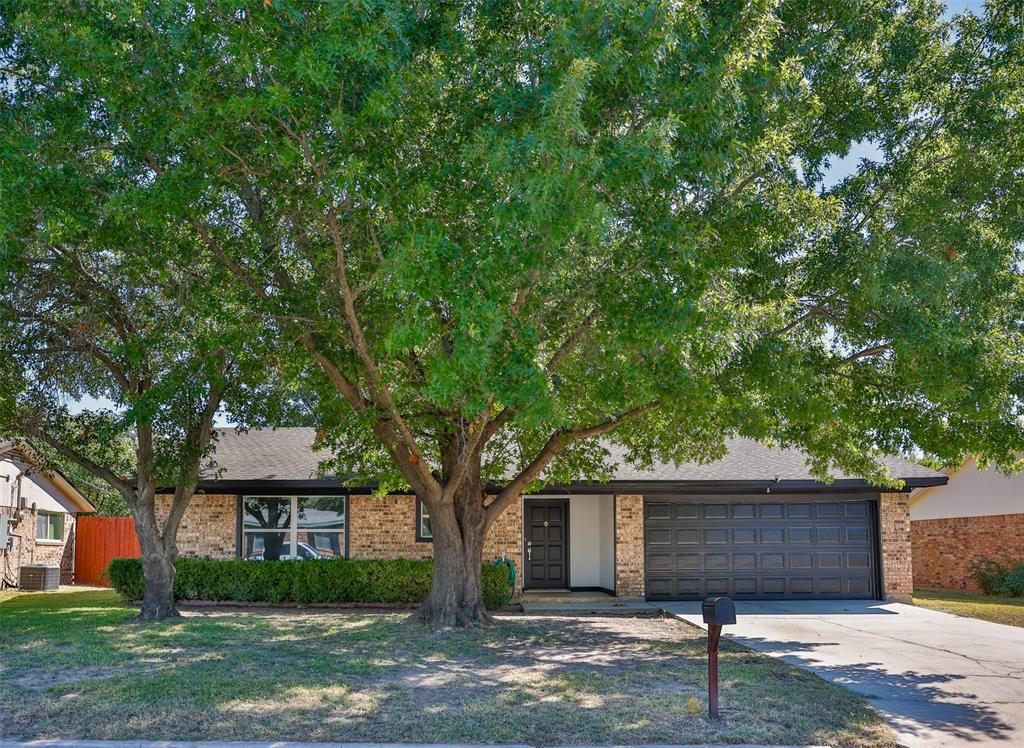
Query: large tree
point(491, 235)
point(111, 361)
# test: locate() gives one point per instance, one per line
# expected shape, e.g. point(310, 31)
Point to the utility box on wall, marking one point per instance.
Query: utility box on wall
point(5, 531)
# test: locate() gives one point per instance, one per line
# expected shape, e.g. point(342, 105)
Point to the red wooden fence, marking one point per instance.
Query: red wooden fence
point(98, 540)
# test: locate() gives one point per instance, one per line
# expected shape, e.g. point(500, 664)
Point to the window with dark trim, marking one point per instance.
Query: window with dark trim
point(423, 532)
point(293, 527)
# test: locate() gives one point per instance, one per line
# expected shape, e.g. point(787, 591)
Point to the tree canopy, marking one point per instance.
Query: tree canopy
point(486, 233)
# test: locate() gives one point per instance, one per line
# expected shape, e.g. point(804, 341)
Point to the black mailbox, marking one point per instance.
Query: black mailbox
point(719, 611)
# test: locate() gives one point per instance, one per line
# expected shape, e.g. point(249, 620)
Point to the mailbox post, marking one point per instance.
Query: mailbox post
point(718, 612)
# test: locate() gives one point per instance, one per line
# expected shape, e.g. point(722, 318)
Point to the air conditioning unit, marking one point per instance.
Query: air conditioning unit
point(39, 577)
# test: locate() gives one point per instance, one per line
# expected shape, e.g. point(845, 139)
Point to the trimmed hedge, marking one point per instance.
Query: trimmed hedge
point(311, 581)
point(1004, 578)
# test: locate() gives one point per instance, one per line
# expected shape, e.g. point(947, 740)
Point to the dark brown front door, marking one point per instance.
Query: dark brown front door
point(547, 544)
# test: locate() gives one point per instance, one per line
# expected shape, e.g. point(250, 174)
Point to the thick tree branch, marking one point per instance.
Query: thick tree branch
point(119, 484)
point(392, 418)
point(196, 441)
point(866, 353)
point(554, 445)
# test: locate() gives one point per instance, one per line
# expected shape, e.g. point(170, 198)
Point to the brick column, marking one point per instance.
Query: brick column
point(629, 546)
point(897, 555)
point(505, 538)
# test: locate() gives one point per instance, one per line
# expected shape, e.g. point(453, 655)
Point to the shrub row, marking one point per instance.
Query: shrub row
point(310, 581)
point(1004, 577)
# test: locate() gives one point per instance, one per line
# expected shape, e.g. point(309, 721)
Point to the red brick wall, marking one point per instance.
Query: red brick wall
point(209, 528)
point(386, 528)
point(944, 549)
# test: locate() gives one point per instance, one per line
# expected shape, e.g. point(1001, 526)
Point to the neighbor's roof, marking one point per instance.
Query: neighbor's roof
point(286, 455)
point(53, 482)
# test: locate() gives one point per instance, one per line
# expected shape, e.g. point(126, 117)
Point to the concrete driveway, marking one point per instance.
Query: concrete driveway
point(940, 680)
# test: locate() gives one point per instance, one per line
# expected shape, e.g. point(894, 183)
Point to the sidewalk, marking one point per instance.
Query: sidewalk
point(282, 744)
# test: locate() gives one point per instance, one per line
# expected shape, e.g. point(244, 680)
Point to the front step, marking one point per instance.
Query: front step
point(547, 597)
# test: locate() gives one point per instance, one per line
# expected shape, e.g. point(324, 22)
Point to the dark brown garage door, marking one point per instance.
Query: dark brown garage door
point(759, 549)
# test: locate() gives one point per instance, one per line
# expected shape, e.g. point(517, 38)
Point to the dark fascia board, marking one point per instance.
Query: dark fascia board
point(321, 486)
point(642, 487)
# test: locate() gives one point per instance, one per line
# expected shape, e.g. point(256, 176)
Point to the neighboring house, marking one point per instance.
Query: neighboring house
point(978, 515)
point(753, 525)
point(37, 509)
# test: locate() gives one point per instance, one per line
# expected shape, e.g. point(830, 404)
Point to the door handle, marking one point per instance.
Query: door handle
point(529, 550)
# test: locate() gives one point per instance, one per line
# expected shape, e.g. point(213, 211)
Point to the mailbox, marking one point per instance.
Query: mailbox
point(719, 611)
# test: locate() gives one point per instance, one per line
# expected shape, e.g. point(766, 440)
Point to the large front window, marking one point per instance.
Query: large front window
point(281, 527)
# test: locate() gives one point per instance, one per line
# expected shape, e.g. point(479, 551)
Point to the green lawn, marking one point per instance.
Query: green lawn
point(75, 667)
point(1008, 610)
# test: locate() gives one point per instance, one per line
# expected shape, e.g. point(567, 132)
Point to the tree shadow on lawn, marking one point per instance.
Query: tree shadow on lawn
point(368, 677)
point(917, 701)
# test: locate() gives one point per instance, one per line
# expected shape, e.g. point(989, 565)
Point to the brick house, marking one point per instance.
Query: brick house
point(37, 513)
point(978, 515)
point(752, 525)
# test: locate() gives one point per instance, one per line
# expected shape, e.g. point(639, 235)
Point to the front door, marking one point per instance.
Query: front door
point(547, 544)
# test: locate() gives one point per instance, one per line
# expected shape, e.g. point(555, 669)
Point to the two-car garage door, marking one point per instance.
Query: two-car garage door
point(753, 548)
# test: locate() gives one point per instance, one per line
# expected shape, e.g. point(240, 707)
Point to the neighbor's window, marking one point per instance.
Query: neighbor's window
point(49, 526)
point(423, 521)
point(276, 527)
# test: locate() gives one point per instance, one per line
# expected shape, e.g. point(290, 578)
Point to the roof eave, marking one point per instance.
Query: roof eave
point(642, 487)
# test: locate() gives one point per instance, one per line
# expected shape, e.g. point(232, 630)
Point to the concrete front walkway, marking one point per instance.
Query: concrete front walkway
point(939, 679)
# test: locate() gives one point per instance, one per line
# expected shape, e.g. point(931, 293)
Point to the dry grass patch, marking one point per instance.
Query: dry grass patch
point(76, 668)
point(1007, 610)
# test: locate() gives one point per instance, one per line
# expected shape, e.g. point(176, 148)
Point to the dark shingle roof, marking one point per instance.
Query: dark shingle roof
point(286, 454)
point(267, 454)
point(751, 460)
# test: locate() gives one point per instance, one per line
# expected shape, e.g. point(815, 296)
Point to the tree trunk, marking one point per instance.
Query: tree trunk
point(158, 600)
point(458, 527)
point(157, 563)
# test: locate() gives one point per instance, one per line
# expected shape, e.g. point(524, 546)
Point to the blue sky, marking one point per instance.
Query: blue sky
point(839, 169)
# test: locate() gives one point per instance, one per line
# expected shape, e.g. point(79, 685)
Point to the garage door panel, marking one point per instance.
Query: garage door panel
point(830, 560)
point(744, 536)
point(833, 535)
point(716, 511)
point(716, 561)
point(801, 535)
point(858, 587)
point(773, 560)
point(858, 560)
point(856, 535)
point(744, 561)
point(687, 536)
point(659, 511)
point(716, 536)
point(746, 549)
point(856, 511)
point(659, 536)
point(800, 511)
